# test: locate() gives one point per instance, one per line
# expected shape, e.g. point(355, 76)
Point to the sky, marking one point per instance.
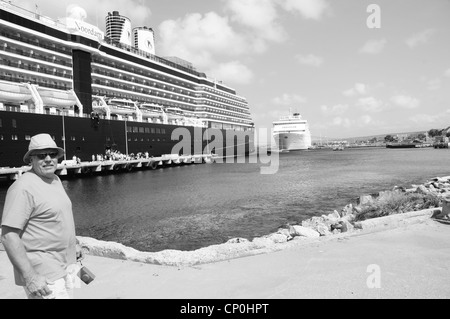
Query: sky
point(350, 67)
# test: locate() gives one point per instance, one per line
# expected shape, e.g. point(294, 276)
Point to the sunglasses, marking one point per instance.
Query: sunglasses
point(43, 156)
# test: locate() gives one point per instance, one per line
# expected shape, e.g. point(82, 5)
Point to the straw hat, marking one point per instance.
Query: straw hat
point(42, 142)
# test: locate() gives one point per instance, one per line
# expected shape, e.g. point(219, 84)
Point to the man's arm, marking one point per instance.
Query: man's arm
point(36, 284)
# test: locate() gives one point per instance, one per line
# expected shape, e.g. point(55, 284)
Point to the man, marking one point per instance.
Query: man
point(38, 230)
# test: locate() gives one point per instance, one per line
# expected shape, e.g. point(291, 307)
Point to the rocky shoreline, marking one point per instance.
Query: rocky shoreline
point(385, 209)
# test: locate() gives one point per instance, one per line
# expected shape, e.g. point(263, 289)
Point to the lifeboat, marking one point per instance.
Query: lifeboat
point(14, 92)
point(56, 98)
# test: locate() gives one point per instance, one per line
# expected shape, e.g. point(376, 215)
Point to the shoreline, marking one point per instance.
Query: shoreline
point(314, 229)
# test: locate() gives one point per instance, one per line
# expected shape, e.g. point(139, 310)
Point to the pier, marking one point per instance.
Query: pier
point(72, 168)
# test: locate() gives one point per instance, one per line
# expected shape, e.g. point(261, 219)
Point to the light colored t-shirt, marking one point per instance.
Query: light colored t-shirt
point(44, 214)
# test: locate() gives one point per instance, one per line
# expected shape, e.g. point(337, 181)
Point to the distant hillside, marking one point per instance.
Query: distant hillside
point(366, 138)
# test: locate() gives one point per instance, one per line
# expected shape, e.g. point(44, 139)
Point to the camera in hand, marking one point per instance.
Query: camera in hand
point(86, 275)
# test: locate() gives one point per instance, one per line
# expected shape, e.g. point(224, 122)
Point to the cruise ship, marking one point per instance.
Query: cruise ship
point(95, 92)
point(291, 133)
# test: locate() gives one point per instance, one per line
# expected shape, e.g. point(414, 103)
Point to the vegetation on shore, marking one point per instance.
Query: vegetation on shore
point(396, 202)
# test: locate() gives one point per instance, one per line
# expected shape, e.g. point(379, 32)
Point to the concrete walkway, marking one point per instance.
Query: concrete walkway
point(410, 261)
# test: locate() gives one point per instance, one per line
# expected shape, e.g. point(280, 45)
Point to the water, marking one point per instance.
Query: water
point(190, 207)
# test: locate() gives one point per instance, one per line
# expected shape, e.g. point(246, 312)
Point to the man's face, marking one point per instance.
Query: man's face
point(45, 162)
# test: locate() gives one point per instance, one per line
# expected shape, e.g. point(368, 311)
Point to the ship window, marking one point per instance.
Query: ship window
point(141, 130)
point(14, 137)
point(1, 137)
point(1, 123)
point(14, 123)
point(147, 130)
point(163, 131)
point(135, 129)
point(158, 131)
point(27, 137)
point(153, 131)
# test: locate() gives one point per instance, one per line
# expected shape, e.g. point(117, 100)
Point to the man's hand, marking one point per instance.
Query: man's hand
point(37, 285)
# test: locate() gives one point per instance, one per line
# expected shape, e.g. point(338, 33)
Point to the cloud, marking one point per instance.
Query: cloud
point(419, 38)
point(364, 120)
point(258, 15)
point(370, 104)
point(76, 12)
point(373, 46)
point(425, 118)
point(232, 72)
point(447, 73)
point(200, 39)
point(359, 88)
point(309, 9)
point(405, 101)
point(344, 122)
point(335, 109)
point(289, 100)
point(434, 84)
point(310, 59)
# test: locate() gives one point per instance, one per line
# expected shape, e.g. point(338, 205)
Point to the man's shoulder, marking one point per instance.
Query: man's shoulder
point(23, 181)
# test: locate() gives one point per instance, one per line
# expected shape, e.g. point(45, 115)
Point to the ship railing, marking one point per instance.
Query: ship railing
point(7, 5)
point(152, 57)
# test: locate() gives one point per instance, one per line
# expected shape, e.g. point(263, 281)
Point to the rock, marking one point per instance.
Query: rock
point(285, 232)
point(305, 232)
point(237, 241)
point(365, 199)
point(347, 226)
point(396, 220)
point(334, 215)
point(422, 190)
point(278, 238)
point(348, 218)
point(336, 226)
point(399, 189)
point(347, 210)
point(323, 230)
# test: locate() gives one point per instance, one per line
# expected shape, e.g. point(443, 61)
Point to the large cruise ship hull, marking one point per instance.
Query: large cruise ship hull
point(84, 137)
point(292, 141)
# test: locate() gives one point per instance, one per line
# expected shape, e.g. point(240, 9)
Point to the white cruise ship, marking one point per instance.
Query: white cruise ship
point(291, 133)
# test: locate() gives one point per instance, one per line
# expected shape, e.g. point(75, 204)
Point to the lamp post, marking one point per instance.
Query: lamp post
point(126, 136)
point(64, 136)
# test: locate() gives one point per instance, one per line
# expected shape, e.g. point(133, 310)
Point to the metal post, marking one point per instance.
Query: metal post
point(64, 137)
point(126, 137)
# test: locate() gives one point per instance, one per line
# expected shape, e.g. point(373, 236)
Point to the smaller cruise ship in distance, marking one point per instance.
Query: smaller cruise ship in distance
point(291, 133)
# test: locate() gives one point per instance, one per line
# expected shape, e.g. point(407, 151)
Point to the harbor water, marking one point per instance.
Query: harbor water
point(193, 206)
